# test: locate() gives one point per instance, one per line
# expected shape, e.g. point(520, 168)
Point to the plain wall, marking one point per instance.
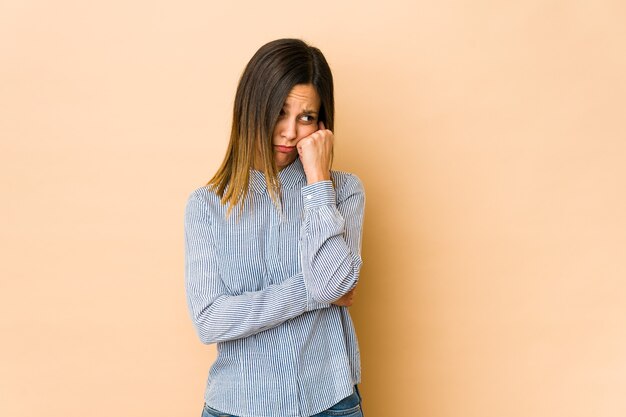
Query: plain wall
point(491, 141)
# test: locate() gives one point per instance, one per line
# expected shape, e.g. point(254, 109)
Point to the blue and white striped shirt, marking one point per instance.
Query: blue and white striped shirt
point(260, 285)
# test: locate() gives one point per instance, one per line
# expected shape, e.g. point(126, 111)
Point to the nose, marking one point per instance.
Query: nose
point(288, 129)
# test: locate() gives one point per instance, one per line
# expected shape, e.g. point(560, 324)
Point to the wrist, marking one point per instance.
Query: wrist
point(317, 177)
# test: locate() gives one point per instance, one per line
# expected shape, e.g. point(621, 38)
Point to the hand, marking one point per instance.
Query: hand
point(316, 154)
point(347, 299)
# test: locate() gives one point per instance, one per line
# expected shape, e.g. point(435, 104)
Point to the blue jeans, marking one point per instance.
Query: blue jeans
point(348, 407)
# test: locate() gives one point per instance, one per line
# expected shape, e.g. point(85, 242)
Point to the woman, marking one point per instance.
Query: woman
point(272, 249)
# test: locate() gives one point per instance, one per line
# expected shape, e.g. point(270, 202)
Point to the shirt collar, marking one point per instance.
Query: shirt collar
point(290, 177)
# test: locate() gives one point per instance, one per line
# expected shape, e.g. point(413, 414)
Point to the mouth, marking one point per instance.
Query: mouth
point(284, 149)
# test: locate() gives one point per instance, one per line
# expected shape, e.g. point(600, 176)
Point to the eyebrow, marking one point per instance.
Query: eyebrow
point(305, 111)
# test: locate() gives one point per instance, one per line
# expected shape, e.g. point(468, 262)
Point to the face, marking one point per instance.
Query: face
point(298, 119)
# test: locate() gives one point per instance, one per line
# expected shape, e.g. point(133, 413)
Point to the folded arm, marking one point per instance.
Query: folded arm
point(218, 316)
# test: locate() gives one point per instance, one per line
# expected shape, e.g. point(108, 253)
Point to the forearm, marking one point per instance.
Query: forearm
point(331, 237)
point(228, 317)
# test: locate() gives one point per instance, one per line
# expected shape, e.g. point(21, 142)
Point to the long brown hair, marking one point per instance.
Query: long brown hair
point(264, 85)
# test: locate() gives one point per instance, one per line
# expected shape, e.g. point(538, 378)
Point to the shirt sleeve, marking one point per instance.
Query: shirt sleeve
point(218, 316)
point(331, 237)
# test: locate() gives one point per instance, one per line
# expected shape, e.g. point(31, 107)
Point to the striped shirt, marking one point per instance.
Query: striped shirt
point(260, 285)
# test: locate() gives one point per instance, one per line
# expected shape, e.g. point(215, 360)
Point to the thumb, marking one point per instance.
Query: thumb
point(321, 126)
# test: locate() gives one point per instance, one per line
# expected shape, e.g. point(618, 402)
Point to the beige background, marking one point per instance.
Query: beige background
point(489, 135)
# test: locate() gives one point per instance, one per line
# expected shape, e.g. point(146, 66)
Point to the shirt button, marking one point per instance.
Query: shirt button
point(308, 197)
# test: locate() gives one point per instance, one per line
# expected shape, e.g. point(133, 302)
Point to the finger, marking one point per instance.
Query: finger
point(302, 143)
point(321, 125)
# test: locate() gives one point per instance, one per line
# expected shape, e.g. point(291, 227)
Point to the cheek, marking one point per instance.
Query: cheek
point(276, 132)
point(304, 131)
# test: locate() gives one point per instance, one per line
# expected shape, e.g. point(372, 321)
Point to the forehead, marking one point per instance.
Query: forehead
point(303, 97)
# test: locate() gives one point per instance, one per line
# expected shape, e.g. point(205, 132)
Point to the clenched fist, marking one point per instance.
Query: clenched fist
point(316, 153)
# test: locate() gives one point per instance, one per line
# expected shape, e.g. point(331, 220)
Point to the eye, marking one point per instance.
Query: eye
point(307, 118)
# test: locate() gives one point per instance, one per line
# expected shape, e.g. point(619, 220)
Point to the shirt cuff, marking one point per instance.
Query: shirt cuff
point(319, 194)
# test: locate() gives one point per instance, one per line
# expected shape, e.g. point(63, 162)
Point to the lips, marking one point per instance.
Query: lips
point(284, 149)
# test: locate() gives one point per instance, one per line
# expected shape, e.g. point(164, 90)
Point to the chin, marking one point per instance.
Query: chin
point(283, 162)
